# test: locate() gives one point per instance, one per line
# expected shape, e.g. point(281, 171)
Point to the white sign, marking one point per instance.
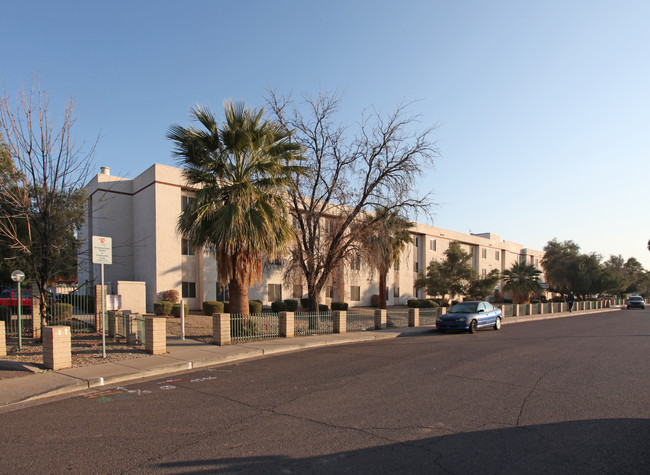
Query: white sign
point(102, 250)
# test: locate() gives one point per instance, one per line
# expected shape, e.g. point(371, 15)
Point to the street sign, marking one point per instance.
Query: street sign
point(102, 250)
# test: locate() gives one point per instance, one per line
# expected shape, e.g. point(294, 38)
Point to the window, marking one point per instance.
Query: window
point(496, 255)
point(396, 292)
point(275, 292)
point(355, 293)
point(186, 248)
point(355, 264)
point(432, 244)
point(484, 253)
point(415, 241)
point(330, 292)
point(297, 291)
point(185, 200)
point(188, 290)
point(484, 273)
point(416, 267)
point(223, 294)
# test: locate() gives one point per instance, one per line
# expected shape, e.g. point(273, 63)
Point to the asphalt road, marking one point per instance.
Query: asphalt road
point(569, 395)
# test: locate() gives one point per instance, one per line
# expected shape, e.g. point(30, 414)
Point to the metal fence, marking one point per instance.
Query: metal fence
point(357, 321)
point(130, 327)
point(313, 323)
point(9, 309)
point(428, 315)
point(72, 306)
point(397, 318)
point(248, 327)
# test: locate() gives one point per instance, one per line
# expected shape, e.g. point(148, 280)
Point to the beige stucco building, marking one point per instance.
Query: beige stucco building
point(140, 216)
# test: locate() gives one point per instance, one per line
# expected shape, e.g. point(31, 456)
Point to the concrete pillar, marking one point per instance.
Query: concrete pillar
point(3, 339)
point(340, 321)
point(380, 319)
point(132, 329)
point(57, 347)
point(155, 341)
point(414, 317)
point(515, 310)
point(529, 309)
point(221, 329)
point(286, 322)
point(541, 308)
point(443, 310)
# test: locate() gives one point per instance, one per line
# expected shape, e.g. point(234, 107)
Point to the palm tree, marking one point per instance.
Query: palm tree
point(385, 242)
point(240, 169)
point(522, 280)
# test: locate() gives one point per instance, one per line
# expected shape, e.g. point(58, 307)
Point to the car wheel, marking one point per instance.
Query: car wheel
point(473, 326)
point(497, 324)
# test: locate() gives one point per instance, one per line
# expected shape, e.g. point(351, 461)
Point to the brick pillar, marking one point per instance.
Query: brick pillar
point(380, 319)
point(515, 310)
point(340, 321)
point(132, 329)
point(57, 347)
point(286, 321)
point(443, 310)
point(155, 341)
point(541, 308)
point(414, 317)
point(530, 309)
point(3, 339)
point(221, 329)
point(36, 314)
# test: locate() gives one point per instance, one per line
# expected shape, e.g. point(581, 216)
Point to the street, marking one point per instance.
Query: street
point(567, 395)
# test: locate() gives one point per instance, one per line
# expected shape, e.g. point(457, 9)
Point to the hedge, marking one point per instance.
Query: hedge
point(292, 305)
point(211, 307)
point(255, 307)
point(162, 308)
point(279, 306)
point(176, 310)
point(340, 306)
point(61, 311)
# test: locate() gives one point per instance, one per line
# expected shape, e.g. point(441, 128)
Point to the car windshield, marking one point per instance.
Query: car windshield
point(635, 298)
point(464, 307)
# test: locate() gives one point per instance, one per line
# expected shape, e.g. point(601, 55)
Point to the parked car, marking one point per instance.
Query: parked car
point(470, 316)
point(635, 302)
point(9, 298)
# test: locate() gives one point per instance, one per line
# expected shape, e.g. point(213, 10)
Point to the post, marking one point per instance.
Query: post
point(131, 329)
point(20, 319)
point(340, 321)
point(182, 320)
point(3, 339)
point(380, 319)
point(103, 314)
point(221, 329)
point(414, 317)
point(57, 347)
point(155, 335)
point(286, 321)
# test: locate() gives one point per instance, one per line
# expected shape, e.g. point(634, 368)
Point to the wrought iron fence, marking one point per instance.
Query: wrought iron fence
point(9, 310)
point(357, 321)
point(313, 323)
point(72, 306)
point(397, 318)
point(428, 315)
point(248, 327)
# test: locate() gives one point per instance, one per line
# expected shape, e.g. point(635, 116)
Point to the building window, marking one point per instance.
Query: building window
point(416, 267)
point(275, 292)
point(186, 248)
point(484, 253)
point(185, 200)
point(355, 264)
point(355, 293)
point(496, 255)
point(223, 294)
point(188, 290)
point(432, 244)
point(532, 260)
point(330, 292)
point(484, 273)
point(396, 292)
point(415, 241)
point(297, 291)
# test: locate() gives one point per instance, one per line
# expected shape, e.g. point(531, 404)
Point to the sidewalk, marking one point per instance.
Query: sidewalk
point(183, 355)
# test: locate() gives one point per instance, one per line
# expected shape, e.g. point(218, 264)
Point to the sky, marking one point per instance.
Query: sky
point(541, 108)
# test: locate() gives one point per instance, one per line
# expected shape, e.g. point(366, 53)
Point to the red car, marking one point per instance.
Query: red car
point(9, 298)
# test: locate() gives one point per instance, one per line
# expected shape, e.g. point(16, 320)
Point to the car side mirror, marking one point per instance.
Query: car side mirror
point(481, 311)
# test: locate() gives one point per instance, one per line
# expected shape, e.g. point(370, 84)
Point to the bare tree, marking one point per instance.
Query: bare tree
point(42, 196)
point(352, 174)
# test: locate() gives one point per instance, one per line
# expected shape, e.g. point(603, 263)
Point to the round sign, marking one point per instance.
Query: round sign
point(17, 276)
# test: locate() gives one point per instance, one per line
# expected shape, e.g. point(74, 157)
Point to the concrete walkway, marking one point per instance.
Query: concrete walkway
point(184, 355)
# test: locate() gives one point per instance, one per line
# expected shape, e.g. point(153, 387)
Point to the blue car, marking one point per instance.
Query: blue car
point(470, 316)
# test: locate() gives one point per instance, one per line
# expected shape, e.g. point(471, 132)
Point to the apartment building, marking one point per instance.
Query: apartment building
point(140, 217)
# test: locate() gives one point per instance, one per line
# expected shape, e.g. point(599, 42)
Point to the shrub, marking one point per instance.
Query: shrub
point(242, 328)
point(226, 306)
point(61, 311)
point(176, 309)
point(211, 307)
point(292, 305)
point(162, 308)
point(304, 302)
point(340, 306)
point(413, 303)
point(170, 296)
point(279, 306)
point(426, 303)
point(322, 308)
point(374, 300)
point(255, 307)
point(85, 303)
point(5, 314)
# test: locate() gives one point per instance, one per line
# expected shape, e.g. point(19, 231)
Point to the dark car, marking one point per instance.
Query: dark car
point(470, 316)
point(635, 302)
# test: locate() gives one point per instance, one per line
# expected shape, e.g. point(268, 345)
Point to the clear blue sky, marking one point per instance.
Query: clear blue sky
point(543, 108)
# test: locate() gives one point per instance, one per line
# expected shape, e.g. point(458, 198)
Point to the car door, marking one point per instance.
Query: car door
point(483, 316)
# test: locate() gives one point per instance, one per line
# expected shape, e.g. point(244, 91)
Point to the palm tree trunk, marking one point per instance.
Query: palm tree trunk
point(238, 297)
point(382, 291)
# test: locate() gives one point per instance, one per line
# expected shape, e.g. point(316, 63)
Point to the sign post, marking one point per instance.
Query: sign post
point(103, 254)
point(18, 276)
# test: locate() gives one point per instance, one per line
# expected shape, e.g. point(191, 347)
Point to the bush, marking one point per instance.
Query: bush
point(211, 307)
point(413, 303)
point(176, 309)
point(5, 314)
point(304, 302)
point(279, 306)
point(292, 305)
point(226, 306)
point(170, 296)
point(426, 303)
point(374, 300)
point(242, 328)
point(322, 308)
point(340, 306)
point(255, 307)
point(61, 311)
point(85, 303)
point(163, 308)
